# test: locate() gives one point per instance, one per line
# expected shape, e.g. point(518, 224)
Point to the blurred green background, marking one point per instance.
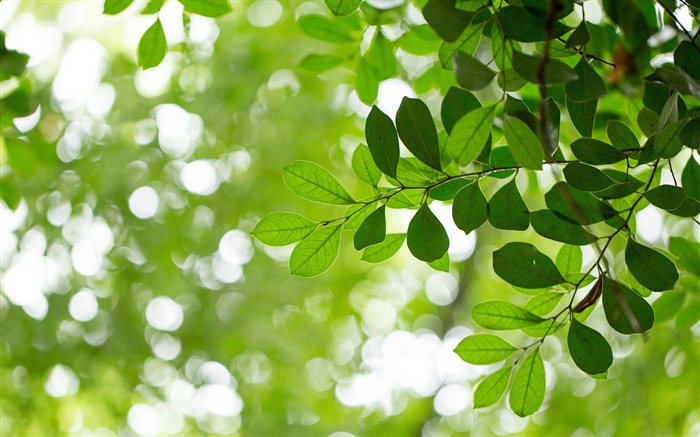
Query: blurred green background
point(134, 301)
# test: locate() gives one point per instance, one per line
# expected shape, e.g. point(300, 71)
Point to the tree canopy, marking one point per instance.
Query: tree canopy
point(503, 217)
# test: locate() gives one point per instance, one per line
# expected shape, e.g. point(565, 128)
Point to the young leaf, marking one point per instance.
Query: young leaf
point(582, 115)
point(467, 43)
point(364, 166)
point(589, 350)
point(417, 131)
point(588, 86)
point(384, 250)
point(688, 253)
point(383, 141)
point(484, 349)
point(691, 178)
point(502, 315)
point(372, 230)
point(442, 264)
point(316, 252)
point(507, 210)
point(313, 182)
point(455, 105)
point(666, 197)
point(596, 152)
point(549, 225)
point(469, 135)
point(380, 56)
point(689, 316)
point(621, 136)
point(152, 46)
point(652, 269)
point(491, 389)
point(586, 178)
point(667, 306)
point(343, 7)
point(315, 63)
point(282, 228)
point(523, 143)
point(527, 391)
point(112, 7)
point(323, 29)
point(357, 213)
point(627, 312)
point(207, 8)
point(569, 259)
point(522, 265)
point(668, 141)
point(367, 82)
point(427, 238)
point(543, 303)
point(470, 208)
point(471, 73)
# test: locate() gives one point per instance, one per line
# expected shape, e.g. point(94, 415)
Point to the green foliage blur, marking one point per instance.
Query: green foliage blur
point(135, 302)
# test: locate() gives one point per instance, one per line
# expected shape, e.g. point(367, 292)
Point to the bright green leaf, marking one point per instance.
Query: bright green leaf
point(668, 305)
point(112, 7)
point(469, 135)
point(442, 264)
point(543, 303)
point(689, 316)
point(523, 143)
point(343, 7)
point(467, 43)
point(384, 250)
point(364, 166)
point(313, 182)
point(491, 389)
point(455, 105)
point(282, 228)
point(527, 391)
point(688, 253)
point(502, 315)
point(152, 46)
point(569, 259)
point(323, 29)
point(315, 253)
point(315, 63)
point(207, 8)
point(484, 349)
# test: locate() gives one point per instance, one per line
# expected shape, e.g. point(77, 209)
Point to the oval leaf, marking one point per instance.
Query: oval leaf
point(523, 143)
point(668, 142)
point(588, 348)
point(282, 228)
point(384, 250)
point(588, 86)
point(470, 208)
point(372, 230)
point(666, 197)
point(471, 73)
point(427, 238)
point(503, 315)
point(596, 152)
point(313, 182)
point(527, 392)
point(586, 177)
point(207, 8)
point(343, 7)
point(383, 141)
point(417, 131)
point(522, 265)
point(364, 166)
point(652, 269)
point(491, 389)
point(549, 225)
point(469, 135)
point(507, 209)
point(152, 46)
point(315, 253)
point(627, 312)
point(484, 349)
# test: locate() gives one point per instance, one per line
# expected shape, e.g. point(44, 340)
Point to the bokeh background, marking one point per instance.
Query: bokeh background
point(134, 302)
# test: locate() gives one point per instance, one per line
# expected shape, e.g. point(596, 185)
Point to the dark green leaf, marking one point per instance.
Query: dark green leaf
point(666, 197)
point(455, 105)
point(625, 184)
point(688, 253)
point(372, 230)
point(689, 208)
point(383, 141)
point(550, 225)
point(690, 134)
point(152, 46)
point(470, 134)
point(621, 136)
point(691, 178)
point(588, 86)
point(627, 312)
point(669, 113)
point(384, 250)
point(523, 143)
point(552, 119)
point(668, 142)
point(357, 214)
point(320, 63)
point(417, 131)
point(652, 269)
point(569, 259)
point(447, 21)
point(555, 72)
point(471, 73)
point(316, 252)
point(579, 36)
point(484, 349)
point(582, 115)
point(589, 350)
point(502, 315)
point(364, 166)
point(112, 7)
point(323, 29)
point(507, 210)
point(527, 392)
point(522, 265)
point(470, 208)
point(491, 389)
point(207, 8)
point(667, 306)
point(578, 205)
point(313, 182)
point(467, 43)
point(586, 178)
point(687, 58)
point(596, 152)
point(448, 190)
point(521, 25)
point(427, 238)
point(343, 7)
point(282, 228)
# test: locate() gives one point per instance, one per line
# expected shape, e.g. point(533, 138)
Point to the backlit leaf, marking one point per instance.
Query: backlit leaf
point(315, 253)
point(491, 389)
point(364, 166)
point(152, 46)
point(343, 7)
point(384, 250)
point(282, 228)
point(523, 143)
point(313, 182)
point(688, 253)
point(484, 349)
point(315, 63)
point(527, 391)
point(207, 8)
point(569, 259)
point(455, 105)
point(469, 135)
point(112, 7)
point(323, 29)
point(543, 303)
point(502, 315)
point(522, 265)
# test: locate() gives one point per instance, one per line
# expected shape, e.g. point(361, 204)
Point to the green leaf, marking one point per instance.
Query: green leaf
point(152, 46)
point(467, 43)
point(523, 143)
point(315, 253)
point(507, 210)
point(384, 250)
point(112, 7)
point(527, 391)
point(153, 7)
point(577, 205)
point(364, 166)
point(666, 197)
point(621, 136)
point(447, 21)
point(323, 29)
point(442, 264)
point(207, 8)
point(357, 214)
point(579, 36)
point(550, 225)
point(668, 142)
point(652, 269)
point(448, 190)
point(471, 73)
point(282, 228)
point(383, 141)
point(589, 350)
point(315, 63)
point(627, 312)
point(569, 259)
point(455, 105)
point(343, 7)
point(689, 316)
point(427, 238)
point(372, 230)
point(555, 72)
point(586, 178)
point(582, 115)
point(20, 156)
point(687, 58)
point(522, 265)
point(669, 113)
point(417, 131)
point(552, 119)
point(491, 389)
point(667, 306)
point(521, 25)
point(690, 134)
point(596, 152)
point(469, 135)
point(484, 349)
point(380, 56)
point(313, 182)
point(688, 253)
point(543, 303)
point(588, 86)
point(367, 85)
point(691, 178)
point(470, 208)
point(502, 315)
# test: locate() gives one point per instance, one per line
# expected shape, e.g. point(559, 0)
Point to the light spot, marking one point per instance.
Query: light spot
point(378, 317)
point(178, 130)
point(235, 247)
point(143, 202)
point(219, 399)
point(264, 13)
point(441, 288)
point(83, 305)
point(199, 177)
point(164, 313)
point(452, 399)
point(391, 93)
point(62, 382)
point(144, 419)
point(649, 224)
point(86, 258)
point(165, 346)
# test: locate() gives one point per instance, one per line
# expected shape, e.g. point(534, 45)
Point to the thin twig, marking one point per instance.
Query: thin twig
point(679, 24)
